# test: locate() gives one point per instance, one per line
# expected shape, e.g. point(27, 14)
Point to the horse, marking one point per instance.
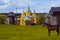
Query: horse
point(52, 28)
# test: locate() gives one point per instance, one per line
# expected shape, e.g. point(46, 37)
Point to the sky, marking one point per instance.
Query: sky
point(39, 6)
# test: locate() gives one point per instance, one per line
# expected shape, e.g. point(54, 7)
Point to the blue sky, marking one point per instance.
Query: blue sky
point(40, 6)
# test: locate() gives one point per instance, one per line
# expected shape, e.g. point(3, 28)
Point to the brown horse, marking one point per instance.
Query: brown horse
point(52, 28)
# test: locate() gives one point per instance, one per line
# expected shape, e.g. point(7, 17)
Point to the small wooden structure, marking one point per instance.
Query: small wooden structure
point(54, 16)
point(11, 18)
point(53, 20)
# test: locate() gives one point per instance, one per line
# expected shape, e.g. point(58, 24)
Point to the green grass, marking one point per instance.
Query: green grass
point(17, 32)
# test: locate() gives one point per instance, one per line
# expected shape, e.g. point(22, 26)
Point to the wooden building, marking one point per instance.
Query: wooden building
point(54, 16)
point(11, 18)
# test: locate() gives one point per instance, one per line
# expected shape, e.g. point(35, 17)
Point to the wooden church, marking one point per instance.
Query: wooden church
point(28, 18)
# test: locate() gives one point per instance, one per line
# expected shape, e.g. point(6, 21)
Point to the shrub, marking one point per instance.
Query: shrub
point(2, 19)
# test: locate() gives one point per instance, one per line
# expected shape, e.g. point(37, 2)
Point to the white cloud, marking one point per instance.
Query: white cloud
point(18, 11)
point(22, 4)
point(4, 6)
point(26, 3)
point(51, 4)
point(40, 6)
point(6, 1)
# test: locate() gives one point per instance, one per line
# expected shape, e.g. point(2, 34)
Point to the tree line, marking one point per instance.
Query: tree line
point(40, 18)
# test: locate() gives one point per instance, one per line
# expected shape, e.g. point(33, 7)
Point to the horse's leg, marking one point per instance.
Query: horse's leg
point(58, 31)
point(48, 32)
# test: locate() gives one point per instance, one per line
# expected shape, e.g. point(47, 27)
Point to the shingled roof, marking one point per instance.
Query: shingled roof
point(11, 14)
point(54, 11)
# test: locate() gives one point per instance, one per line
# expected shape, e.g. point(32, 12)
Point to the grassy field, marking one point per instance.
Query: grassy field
point(16, 32)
